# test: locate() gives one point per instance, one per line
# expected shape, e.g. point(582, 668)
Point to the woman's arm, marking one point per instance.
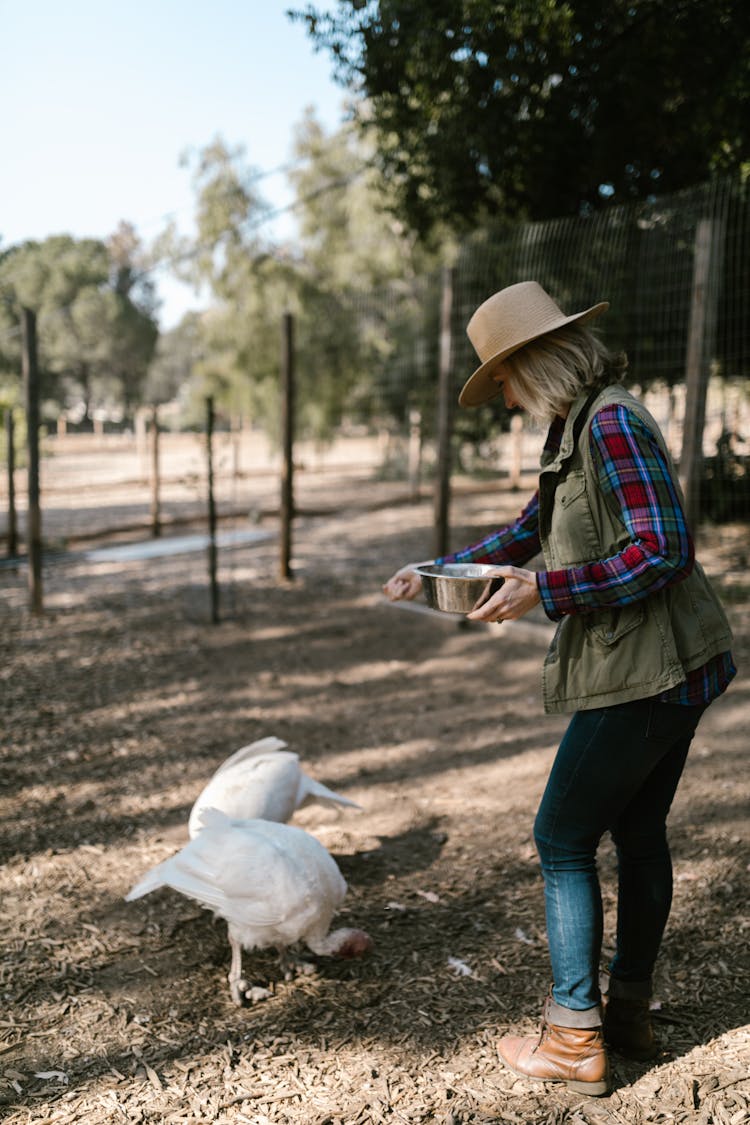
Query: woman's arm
point(510, 546)
point(637, 481)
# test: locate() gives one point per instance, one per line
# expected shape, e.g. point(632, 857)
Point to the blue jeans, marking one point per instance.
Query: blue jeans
point(616, 770)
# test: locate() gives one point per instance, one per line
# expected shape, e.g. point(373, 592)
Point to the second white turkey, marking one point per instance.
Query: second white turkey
point(262, 781)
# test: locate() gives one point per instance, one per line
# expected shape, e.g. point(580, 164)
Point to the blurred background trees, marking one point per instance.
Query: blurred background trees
point(349, 243)
point(95, 320)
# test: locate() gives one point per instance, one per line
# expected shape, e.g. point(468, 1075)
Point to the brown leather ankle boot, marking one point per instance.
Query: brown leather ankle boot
point(574, 1055)
point(628, 1027)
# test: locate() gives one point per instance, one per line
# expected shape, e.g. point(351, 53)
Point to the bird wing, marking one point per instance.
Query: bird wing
point(155, 878)
point(194, 870)
point(261, 787)
point(261, 746)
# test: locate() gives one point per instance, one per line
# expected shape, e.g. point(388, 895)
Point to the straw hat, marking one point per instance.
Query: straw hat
point(504, 323)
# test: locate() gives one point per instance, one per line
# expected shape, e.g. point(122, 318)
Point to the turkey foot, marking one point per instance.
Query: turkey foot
point(293, 966)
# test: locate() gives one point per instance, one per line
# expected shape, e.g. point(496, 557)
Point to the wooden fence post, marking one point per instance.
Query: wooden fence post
point(155, 481)
point(141, 441)
point(444, 416)
point(33, 516)
point(10, 435)
point(701, 331)
point(287, 439)
point(415, 453)
point(212, 552)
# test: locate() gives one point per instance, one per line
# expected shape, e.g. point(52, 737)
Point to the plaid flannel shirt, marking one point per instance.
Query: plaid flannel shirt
point(636, 479)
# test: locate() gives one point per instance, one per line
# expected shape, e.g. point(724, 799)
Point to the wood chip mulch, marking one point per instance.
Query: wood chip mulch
point(120, 702)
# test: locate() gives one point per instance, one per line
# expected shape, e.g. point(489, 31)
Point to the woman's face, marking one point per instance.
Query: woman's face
point(504, 380)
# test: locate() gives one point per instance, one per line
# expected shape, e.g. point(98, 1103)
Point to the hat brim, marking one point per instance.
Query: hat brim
point(481, 387)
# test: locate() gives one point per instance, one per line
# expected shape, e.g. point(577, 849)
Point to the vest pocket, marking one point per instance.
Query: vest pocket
point(610, 625)
point(573, 537)
point(570, 488)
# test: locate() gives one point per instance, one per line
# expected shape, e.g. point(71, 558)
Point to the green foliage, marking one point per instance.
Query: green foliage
point(173, 362)
point(359, 284)
point(95, 324)
point(534, 108)
point(349, 243)
point(348, 233)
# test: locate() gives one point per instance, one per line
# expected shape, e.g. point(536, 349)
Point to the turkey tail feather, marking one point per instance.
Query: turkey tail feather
point(311, 790)
point(151, 881)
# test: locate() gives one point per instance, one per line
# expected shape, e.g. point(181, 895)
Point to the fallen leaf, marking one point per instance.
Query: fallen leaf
point(47, 1075)
point(429, 895)
point(153, 1077)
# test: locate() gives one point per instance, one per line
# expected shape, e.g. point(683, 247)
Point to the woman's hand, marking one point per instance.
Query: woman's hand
point(405, 583)
point(517, 595)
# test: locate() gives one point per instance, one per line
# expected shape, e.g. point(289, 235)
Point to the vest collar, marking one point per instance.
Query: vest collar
point(568, 440)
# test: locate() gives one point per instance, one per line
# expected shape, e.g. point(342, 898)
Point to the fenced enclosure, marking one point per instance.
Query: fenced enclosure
point(676, 274)
point(120, 703)
point(675, 271)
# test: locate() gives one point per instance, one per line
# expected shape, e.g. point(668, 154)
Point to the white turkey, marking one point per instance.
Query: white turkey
point(262, 781)
point(273, 884)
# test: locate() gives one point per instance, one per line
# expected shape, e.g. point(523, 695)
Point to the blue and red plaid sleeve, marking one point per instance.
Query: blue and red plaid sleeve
point(636, 479)
point(519, 542)
point(513, 545)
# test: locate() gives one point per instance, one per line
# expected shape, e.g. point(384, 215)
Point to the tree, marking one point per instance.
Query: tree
point(538, 109)
point(235, 343)
point(349, 244)
point(174, 361)
point(348, 234)
point(130, 268)
point(360, 271)
point(95, 340)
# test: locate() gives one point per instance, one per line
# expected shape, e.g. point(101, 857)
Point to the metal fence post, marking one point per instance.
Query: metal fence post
point(155, 499)
point(415, 453)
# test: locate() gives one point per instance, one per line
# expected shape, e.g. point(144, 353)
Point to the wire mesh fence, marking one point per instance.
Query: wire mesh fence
point(676, 271)
point(369, 365)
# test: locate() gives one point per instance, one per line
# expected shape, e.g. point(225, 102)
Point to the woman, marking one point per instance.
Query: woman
point(641, 649)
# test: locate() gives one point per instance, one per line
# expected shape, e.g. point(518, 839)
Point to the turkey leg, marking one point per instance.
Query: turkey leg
point(237, 983)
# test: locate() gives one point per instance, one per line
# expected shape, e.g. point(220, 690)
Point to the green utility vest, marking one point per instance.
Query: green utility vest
point(630, 652)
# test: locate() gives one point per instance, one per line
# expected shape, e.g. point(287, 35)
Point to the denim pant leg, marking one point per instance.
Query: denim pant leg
point(644, 863)
point(608, 759)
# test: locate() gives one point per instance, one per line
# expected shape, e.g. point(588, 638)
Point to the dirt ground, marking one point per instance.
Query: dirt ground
point(120, 702)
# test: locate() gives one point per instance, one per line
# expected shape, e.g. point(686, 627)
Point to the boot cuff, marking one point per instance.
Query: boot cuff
point(569, 1017)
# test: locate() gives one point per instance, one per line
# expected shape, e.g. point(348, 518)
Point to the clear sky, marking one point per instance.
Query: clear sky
point(99, 98)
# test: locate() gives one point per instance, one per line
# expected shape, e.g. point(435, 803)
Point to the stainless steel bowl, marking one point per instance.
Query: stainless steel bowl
point(458, 587)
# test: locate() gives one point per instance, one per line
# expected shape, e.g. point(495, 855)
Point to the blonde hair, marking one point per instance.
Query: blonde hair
point(550, 372)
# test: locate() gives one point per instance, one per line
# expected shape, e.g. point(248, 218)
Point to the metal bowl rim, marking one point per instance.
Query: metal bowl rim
point(481, 572)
